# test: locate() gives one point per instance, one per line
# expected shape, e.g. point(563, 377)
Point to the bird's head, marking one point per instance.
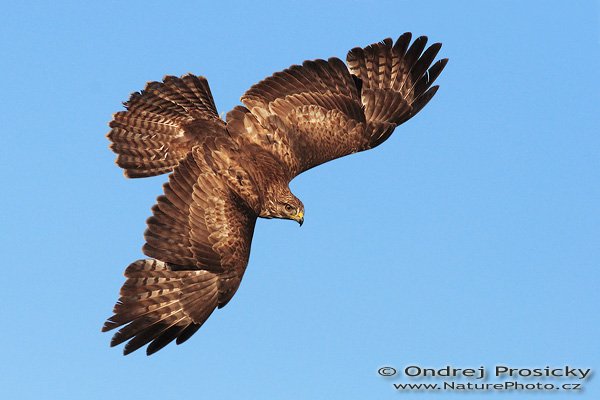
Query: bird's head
point(286, 206)
point(293, 209)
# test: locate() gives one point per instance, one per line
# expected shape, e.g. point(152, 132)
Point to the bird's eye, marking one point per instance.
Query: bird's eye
point(289, 208)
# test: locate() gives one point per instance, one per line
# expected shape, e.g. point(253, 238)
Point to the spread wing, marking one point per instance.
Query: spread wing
point(322, 110)
point(161, 125)
point(200, 235)
point(200, 222)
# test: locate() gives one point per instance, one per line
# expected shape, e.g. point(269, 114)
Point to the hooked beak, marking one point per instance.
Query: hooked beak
point(300, 218)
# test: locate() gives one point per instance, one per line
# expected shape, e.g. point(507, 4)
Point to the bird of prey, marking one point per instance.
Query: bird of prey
point(226, 174)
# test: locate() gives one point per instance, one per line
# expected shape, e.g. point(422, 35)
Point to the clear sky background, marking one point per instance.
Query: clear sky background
point(470, 238)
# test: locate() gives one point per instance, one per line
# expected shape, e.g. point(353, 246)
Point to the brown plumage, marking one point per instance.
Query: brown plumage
point(224, 175)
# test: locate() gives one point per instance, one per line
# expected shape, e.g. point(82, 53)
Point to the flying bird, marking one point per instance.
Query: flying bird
point(226, 174)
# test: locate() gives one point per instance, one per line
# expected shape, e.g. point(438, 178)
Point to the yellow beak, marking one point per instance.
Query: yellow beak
point(299, 217)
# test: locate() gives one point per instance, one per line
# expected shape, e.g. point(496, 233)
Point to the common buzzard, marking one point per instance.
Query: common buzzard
point(226, 174)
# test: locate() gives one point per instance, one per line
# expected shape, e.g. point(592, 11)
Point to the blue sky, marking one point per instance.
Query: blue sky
point(470, 238)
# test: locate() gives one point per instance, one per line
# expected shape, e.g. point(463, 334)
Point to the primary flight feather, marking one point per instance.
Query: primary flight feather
point(226, 174)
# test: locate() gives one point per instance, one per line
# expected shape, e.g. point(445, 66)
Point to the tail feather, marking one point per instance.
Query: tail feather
point(155, 133)
point(192, 93)
point(158, 305)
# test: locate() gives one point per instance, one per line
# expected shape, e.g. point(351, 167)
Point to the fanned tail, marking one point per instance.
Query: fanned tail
point(162, 124)
point(159, 304)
